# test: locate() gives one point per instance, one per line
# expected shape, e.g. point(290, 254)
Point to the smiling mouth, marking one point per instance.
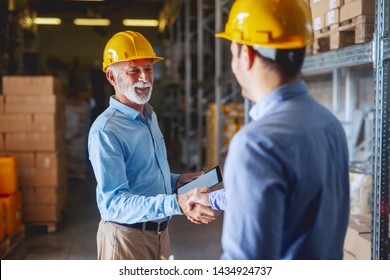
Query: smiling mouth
point(142, 90)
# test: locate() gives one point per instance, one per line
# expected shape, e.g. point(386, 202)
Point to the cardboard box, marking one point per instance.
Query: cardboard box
point(318, 23)
point(24, 160)
point(357, 245)
point(14, 122)
point(333, 4)
point(2, 143)
point(41, 195)
point(1, 104)
point(48, 160)
point(41, 213)
point(29, 122)
point(34, 141)
point(35, 85)
point(35, 177)
point(332, 17)
point(45, 122)
point(319, 8)
point(357, 8)
point(360, 248)
point(33, 104)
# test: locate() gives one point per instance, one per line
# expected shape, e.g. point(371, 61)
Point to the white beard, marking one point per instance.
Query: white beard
point(133, 96)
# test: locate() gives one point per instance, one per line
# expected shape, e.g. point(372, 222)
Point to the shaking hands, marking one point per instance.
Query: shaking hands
point(195, 203)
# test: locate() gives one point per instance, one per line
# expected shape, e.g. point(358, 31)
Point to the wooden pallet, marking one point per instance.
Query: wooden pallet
point(354, 31)
point(8, 244)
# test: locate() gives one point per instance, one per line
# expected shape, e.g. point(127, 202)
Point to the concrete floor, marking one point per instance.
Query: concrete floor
point(75, 238)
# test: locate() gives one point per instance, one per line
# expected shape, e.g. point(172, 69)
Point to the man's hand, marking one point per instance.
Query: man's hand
point(198, 198)
point(198, 214)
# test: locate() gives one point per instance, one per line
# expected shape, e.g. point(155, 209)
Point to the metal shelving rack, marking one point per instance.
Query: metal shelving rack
point(225, 85)
point(376, 53)
point(205, 50)
point(380, 247)
point(192, 26)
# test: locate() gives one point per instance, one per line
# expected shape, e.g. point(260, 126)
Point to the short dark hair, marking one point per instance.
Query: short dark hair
point(288, 62)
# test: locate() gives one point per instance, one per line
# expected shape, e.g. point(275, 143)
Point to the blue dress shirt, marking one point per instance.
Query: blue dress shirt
point(286, 181)
point(129, 159)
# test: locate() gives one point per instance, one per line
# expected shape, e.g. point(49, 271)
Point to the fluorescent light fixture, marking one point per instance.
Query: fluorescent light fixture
point(47, 21)
point(140, 22)
point(92, 21)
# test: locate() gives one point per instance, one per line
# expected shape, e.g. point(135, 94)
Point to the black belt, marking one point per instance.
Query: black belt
point(150, 226)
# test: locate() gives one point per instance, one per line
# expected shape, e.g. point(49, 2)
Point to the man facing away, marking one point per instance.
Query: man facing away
point(135, 188)
point(286, 179)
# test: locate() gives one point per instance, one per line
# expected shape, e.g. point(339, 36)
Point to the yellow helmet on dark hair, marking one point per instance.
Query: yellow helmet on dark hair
point(277, 24)
point(128, 45)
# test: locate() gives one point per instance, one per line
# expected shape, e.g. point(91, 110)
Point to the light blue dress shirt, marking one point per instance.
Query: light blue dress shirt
point(286, 181)
point(129, 159)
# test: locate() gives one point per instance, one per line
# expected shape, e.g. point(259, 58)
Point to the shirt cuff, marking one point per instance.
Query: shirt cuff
point(217, 200)
point(174, 178)
point(171, 206)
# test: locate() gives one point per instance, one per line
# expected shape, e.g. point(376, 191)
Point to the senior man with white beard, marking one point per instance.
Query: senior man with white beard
point(135, 190)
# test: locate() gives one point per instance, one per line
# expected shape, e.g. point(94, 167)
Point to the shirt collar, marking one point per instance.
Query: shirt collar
point(130, 112)
point(284, 92)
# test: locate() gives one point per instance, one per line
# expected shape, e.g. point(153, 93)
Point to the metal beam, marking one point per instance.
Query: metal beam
point(381, 147)
point(346, 57)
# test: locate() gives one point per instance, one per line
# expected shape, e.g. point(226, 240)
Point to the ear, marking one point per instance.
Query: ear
point(110, 77)
point(248, 56)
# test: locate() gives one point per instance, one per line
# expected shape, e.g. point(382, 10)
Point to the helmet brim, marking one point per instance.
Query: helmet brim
point(155, 59)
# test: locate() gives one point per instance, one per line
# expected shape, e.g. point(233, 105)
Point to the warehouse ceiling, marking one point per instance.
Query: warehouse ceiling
point(115, 10)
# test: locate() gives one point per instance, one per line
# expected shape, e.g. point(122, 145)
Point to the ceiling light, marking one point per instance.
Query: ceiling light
point(140, 22)
point(47, 21)
point(92, 21)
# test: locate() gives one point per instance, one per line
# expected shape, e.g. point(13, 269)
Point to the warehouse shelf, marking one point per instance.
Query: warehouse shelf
point(347, 57)
point(376, 52)
point(380, 248)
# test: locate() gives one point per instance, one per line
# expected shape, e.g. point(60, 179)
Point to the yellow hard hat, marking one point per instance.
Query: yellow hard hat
point(278, 24)
point(128, 45)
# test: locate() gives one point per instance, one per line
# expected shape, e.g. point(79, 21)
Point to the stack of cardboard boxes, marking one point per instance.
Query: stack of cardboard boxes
point(357, 245)
point(32, 127)
point(341, 23)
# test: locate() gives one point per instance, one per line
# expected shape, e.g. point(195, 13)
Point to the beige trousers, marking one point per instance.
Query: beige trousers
point(116, 242)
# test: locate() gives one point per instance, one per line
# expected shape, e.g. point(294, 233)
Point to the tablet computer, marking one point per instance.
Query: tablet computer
point(209, 179)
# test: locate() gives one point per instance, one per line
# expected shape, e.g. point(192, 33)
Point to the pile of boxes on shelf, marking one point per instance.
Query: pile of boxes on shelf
point(10, 200)
point(341, 23)
point(357, 245)
point(32, 130)
point(232, 118)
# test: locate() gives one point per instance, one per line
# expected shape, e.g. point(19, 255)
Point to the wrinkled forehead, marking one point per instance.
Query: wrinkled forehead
point(139, 63)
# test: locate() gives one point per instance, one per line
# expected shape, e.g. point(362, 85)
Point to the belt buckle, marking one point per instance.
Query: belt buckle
point(158, 231)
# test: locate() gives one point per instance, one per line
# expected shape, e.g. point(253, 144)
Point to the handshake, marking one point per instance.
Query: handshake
point(195, 203)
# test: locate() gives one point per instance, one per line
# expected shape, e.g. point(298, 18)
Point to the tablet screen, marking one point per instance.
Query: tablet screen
point(209, 179)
